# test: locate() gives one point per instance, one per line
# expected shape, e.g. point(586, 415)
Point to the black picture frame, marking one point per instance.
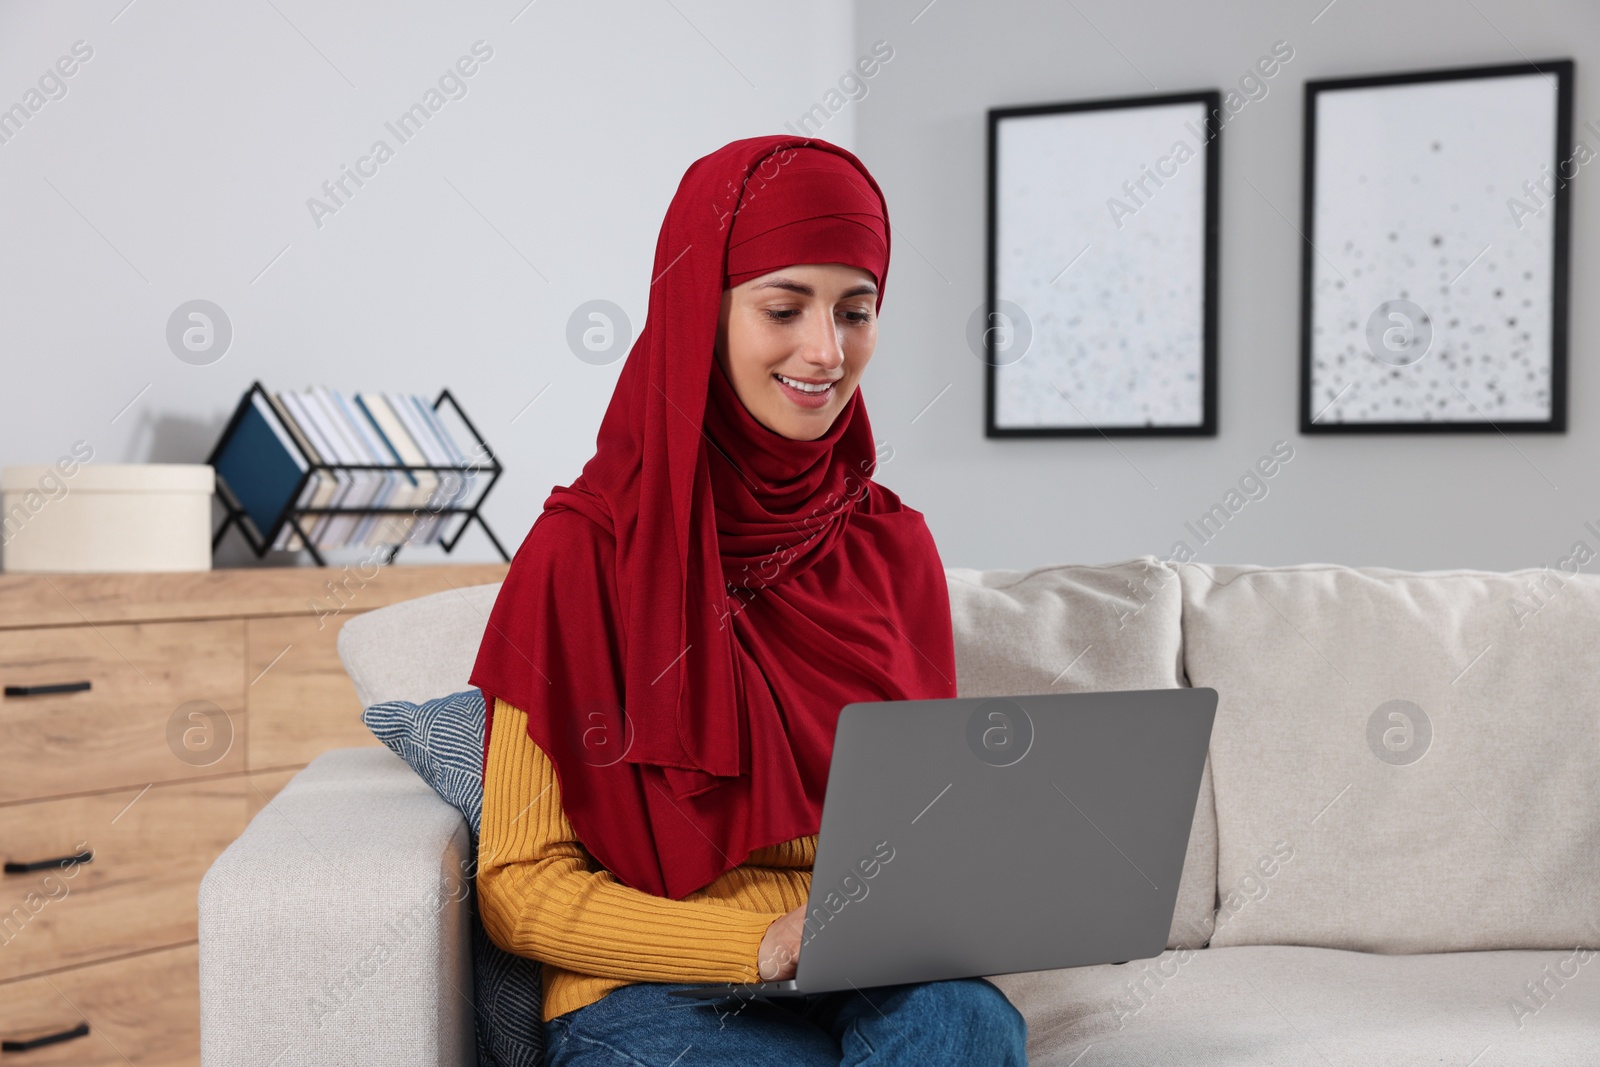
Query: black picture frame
point(1211, 117)
point(1315, 409)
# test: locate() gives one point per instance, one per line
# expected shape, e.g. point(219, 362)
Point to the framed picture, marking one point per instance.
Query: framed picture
point(1433, 294)
point(1100, 310)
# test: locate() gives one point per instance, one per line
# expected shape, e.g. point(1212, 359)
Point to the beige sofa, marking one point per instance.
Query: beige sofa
point(1394, 858)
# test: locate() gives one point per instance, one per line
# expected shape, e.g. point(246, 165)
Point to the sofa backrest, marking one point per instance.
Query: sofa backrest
point(1053, 629)
point(1065, 628)
point(417, 649)
point(1403, 761)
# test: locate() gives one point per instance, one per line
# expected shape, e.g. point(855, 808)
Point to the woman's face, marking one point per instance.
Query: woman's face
point(795, 342)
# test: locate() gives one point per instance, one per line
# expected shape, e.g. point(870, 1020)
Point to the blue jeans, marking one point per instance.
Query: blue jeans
point(964, 1021)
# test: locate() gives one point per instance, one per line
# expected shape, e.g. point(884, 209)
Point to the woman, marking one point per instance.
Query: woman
point(725, 570)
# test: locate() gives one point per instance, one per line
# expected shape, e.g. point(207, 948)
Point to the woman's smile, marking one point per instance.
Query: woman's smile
point(805, 392)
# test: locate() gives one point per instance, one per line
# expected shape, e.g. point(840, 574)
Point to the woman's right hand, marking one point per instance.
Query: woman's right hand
point(779, 954)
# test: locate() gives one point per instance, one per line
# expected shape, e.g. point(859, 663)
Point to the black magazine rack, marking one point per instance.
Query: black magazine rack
point(292, 514)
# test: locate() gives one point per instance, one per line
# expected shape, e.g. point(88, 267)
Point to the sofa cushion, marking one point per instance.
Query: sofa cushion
point(1083, 628)
point(1422, 745)
point(419, 648)
point(442, 740)
point(1290, 1006)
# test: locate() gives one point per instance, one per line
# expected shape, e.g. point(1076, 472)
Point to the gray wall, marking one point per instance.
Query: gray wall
point(178, 165)
point(1421, 502)
point(179, 162)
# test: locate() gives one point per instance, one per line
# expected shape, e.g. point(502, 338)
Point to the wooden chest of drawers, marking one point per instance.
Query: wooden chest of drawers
point(146, 719)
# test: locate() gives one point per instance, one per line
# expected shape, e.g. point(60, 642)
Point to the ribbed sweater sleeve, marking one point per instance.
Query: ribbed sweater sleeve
point(540, 893)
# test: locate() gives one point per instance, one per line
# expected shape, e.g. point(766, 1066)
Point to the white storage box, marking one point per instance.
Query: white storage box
point(107, 517)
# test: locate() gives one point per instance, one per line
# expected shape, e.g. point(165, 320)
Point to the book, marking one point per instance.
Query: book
point(461, 458)
point(434, 454)
point(325, 526)
point(405, 452)
point(376, 528)
point(319, 487)
point(261, 467)
point(462, 482)
point(342, 529)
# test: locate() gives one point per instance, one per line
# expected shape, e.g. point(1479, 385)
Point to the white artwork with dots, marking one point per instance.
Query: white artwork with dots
point(1100, 245)
point(1432, 252)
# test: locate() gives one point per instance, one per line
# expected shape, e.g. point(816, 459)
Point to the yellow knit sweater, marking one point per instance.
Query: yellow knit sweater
point(541, 894)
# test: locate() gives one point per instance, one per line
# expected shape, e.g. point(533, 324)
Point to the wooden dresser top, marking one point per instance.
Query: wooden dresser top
point(33, 600)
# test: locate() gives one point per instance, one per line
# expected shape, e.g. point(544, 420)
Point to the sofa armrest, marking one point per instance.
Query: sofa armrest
point(336, 929)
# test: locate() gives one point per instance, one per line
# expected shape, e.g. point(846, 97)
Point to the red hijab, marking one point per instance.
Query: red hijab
point(684, 622)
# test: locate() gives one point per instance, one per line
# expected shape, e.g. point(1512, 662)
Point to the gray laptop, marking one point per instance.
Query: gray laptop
point(988, 835)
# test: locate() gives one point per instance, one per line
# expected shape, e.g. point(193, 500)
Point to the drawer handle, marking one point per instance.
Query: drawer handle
point(81, 1030)
point(12, 867)
point(44, 690)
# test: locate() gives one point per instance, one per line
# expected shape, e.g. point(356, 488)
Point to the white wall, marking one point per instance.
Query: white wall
point(1478, 500)
point(179, 162)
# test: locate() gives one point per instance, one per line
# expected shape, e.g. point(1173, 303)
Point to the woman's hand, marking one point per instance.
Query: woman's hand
point(780, 946)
